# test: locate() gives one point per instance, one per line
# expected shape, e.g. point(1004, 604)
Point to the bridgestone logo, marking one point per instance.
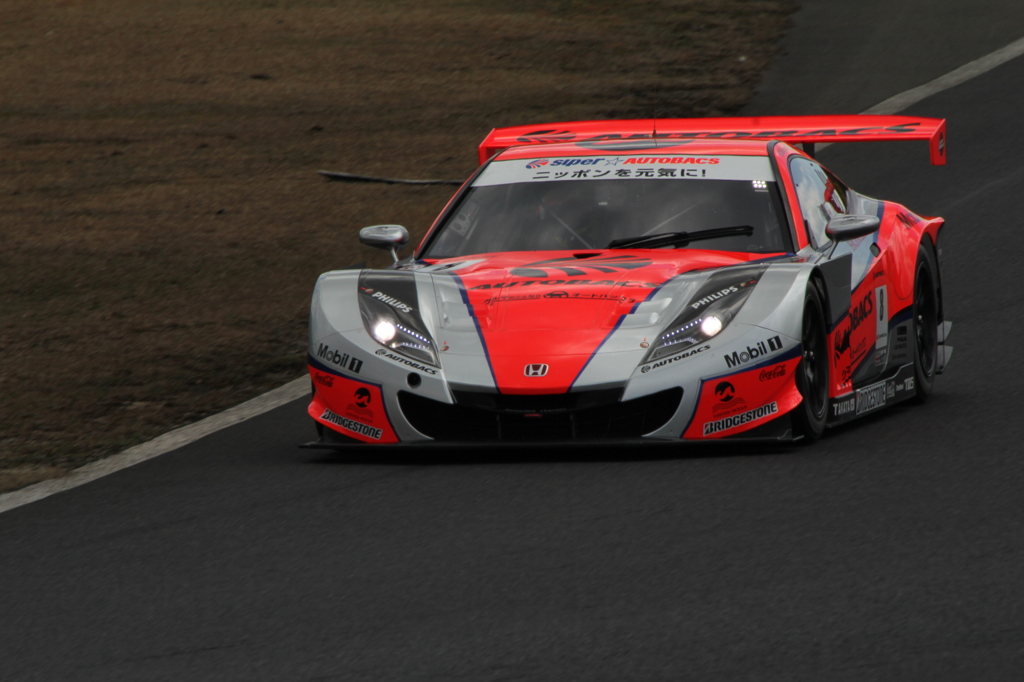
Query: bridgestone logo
point(740, 419)
point(871, 397)
point(351, 425)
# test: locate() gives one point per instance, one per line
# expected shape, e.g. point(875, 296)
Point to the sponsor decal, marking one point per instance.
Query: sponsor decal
point(728, 401)
point(725, 392)
point(881, 355)
point(574, 296)
point(862, 310)
point(577, 266)
point(385, 353)
point(909, 219)
point(323, 379)
point(547, 136)
point(860, 348)
point(566, 163)
point(694, 160)
point(882, 318)
point(758, 350)
point(338, 358)
point(566, 283)
point(654, 168)
point(900, 346)
point(391, 301)
point(841, 407)
point(842, 343)
point(871, 397)
point(358, 409)
point(351, 425)
point(535, 370)
point(769, 373)
point(712, 297)
point(717, 425)
point(675, 358)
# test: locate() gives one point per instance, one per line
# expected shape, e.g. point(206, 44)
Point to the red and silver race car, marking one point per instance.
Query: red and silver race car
point(658, 280)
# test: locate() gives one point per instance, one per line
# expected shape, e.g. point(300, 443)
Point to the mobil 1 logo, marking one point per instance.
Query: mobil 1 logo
point(759, 350)
point(342, 360)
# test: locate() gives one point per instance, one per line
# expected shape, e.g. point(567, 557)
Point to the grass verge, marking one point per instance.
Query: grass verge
point(162, 224)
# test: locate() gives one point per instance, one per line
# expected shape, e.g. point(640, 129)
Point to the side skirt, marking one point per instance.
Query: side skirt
point(896, 388)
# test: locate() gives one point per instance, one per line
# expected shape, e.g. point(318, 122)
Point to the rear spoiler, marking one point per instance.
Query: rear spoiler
point(806, 130)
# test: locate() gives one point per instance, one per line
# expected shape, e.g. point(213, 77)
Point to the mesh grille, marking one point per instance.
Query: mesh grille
point(525, 418)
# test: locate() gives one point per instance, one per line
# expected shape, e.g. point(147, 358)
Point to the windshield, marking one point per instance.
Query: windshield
point(591, 202)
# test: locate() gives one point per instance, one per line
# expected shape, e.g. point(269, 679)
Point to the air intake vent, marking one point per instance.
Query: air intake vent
point(567, 416)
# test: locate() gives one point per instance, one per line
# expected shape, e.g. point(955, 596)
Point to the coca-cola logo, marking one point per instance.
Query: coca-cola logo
point(770, 373)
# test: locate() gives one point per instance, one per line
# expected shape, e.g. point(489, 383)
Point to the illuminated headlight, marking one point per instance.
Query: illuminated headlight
point(389, 306)
point(384, 331)
point(710, 310)
point(711, 325)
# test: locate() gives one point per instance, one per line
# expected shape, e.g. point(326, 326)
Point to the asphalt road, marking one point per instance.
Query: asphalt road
point(893, 549)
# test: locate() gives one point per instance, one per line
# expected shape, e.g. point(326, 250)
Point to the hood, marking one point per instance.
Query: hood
point(557, 311)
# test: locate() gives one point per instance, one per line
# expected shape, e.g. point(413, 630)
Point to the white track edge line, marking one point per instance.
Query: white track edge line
point(955, 77)
point(172, 440)
point(177, 438)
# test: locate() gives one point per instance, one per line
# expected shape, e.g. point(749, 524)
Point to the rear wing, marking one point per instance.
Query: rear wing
point(806, 130)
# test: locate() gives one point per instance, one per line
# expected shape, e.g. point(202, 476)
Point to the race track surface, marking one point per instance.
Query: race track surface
point(892, 549)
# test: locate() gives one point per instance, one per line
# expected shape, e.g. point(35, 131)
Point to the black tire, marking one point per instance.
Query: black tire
point(812, 373)
point(926, 322)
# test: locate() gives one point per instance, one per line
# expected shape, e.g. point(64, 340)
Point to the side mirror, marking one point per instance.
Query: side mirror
point(391, 237)
point(842, 228)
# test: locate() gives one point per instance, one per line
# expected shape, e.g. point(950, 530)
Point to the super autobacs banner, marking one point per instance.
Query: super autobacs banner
point(636, 167)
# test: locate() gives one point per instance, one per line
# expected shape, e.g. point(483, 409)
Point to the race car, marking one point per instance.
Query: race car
point(639, 280)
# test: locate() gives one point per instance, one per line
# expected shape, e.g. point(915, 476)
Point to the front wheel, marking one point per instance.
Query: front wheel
point(812, 374)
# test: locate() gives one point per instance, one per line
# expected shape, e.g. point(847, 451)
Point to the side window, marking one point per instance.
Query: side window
point(835, 192)
point(821, 196)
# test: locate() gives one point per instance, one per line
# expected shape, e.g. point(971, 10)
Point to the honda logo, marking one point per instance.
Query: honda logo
point(535, 370)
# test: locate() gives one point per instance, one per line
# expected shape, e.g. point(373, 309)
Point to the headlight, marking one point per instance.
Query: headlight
point(388, 303)
point(710, 310)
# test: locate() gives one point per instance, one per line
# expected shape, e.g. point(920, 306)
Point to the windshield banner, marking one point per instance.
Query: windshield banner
point(638, 167)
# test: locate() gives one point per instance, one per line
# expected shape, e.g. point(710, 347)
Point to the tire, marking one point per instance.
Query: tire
point(812, 373)
point(926, 322)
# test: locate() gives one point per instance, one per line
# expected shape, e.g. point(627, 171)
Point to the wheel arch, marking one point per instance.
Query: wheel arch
point(929, 240)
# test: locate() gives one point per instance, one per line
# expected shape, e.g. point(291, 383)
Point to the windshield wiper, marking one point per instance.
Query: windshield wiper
point(679, 238)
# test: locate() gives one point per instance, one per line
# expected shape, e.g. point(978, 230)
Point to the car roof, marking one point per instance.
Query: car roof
point(700, 147)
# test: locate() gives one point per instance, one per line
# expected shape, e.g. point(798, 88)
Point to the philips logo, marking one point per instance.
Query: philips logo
point(393, 302)
point(711, 298)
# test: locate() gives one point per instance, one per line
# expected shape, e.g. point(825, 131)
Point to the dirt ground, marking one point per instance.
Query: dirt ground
point(162, 224)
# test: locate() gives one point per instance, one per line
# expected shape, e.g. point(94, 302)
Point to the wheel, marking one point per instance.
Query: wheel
point(812, 374)
point(926, 323)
